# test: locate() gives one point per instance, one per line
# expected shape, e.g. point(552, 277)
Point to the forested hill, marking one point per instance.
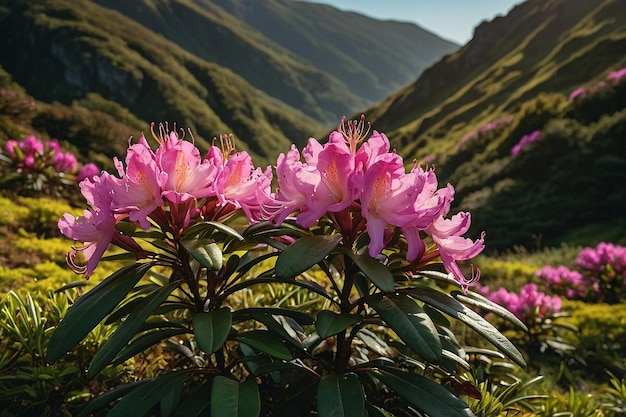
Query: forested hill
point(536, 164)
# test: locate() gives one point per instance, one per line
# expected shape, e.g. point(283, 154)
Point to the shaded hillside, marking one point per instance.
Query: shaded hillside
point(77, 47)
point(467, 112)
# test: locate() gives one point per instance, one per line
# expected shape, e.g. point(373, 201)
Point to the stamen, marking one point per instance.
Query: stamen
point(354, 131)
point(227, 143)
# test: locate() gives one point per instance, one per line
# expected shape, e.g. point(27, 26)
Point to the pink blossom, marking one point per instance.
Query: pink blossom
point(96, 229)
point(64, 162)
point(243, 185)
point(89, 170)
point(577, 94)
point(525, 141)
point(186, 175)
point(617, 77)
point(528, 304)
point(138, 191)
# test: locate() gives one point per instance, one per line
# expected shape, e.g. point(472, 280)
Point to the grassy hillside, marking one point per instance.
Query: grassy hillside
point(469, 110)
point(372, 58)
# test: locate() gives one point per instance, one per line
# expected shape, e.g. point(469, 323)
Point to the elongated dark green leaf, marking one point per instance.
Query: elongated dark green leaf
point(144, 341)
point(71, 285)
point(340, 396)
point(103, 400)
point(480, 301)
point(377, 273)
point(410, 323)
point(127, 330)
point(92, 308)
point(211, 329)
point(283, 330)
point(303, 254)
point(455, 309)
point(247, 313)
point(205, 229)
point(423, 393)
point(330, 323)
point(309, 285)
point(266, 342)
point(141, 400)
point(196, 402)
point(229, 398)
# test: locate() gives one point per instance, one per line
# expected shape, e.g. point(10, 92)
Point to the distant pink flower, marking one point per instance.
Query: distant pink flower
point(528, 304)
point(617, 77)
point(89, 170)
point(64, 162)
point(525, 141)
point(577, 94)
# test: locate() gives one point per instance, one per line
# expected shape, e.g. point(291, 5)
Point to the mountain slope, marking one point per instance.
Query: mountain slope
point(372, 57)
point(77, 47)
point(507, 90)
point(300, 53)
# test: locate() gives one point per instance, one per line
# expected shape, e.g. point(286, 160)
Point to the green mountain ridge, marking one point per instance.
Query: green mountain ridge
point(522, 67)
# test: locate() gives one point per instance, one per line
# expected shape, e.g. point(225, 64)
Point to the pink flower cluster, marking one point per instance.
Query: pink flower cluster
point(605, 256)
point(525, 141)
point(163, 187)
point(529, 304)
point(32, 154)
point(361, 186)
point(564, 281)
point(489, 127)
point(613, 78)
point(366, 188)
point(601, 274)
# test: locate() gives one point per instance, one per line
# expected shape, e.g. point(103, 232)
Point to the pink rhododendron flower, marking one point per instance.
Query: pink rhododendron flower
point(186, 175)
point(96, 229)
point(138, 191)
point(89, 170)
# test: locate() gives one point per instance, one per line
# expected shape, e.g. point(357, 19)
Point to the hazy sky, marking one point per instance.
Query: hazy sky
point(451, 19)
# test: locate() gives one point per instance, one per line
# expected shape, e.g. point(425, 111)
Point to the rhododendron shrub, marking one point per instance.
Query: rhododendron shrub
point(600, 275)
point(541, 314)
point(36, 166)
point(373, 242)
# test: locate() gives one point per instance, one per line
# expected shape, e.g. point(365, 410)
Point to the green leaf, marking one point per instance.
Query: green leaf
point(92, 308)
point(480, 301)
point(377, 273)
point(103, 400)
point(127, 330)
point(206, 229)
point(196, 402)
point(141, 400)
point(266, 342)
point(282, 327)
point(423, 393)
point(457, 310)
point(340, 396)
point(251, 312)
point(144, 341)
point(206, 252)
point(229, 398)
point(304, 253)
point(309, 285)
point(211, 329)
point(409, 321)
point(330, 323)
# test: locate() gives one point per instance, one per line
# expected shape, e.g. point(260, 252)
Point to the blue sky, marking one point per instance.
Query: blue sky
point(451, 19)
